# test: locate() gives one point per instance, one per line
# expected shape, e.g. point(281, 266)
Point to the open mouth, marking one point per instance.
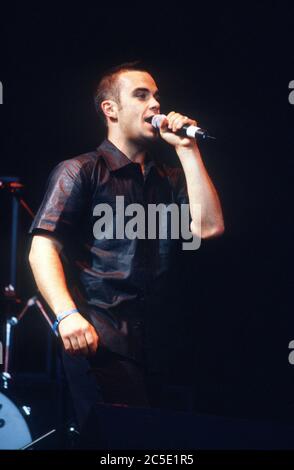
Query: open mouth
point(149, 119)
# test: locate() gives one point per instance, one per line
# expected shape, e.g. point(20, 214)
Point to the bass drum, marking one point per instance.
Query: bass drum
point(14, 431)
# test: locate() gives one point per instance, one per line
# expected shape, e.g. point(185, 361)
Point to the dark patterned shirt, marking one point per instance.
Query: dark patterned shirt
point(109, 272)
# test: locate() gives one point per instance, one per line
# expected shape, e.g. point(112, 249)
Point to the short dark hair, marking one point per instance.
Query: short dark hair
point(108, 87)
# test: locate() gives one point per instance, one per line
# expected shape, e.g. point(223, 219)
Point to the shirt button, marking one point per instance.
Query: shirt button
point(141, 295)
point(137, 324)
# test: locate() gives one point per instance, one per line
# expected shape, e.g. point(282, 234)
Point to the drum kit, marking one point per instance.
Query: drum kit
point(15, 430)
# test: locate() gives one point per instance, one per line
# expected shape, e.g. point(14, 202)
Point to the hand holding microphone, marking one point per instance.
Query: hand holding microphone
point(177, 127)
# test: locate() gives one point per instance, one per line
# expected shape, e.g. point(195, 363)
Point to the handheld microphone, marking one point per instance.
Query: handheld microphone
point(186, 131)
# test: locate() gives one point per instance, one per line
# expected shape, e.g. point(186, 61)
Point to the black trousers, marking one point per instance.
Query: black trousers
point(124, 377)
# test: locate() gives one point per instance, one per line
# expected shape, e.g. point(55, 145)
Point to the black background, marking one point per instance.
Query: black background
point(228, 66)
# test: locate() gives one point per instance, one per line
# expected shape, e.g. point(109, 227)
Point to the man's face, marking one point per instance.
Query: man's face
point(139, 99)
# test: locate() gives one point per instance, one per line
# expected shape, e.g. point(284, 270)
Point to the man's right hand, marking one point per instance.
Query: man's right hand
point(78, 335)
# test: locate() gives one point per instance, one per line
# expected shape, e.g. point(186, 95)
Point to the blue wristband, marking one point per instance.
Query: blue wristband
point(61, 316)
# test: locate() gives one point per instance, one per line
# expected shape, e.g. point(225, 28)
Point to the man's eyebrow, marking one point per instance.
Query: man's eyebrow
point(136, 90)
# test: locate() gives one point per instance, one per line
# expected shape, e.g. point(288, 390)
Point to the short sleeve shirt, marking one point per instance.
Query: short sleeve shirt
point(110, 271)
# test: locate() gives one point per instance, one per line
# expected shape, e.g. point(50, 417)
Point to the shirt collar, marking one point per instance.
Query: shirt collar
point(115, 159)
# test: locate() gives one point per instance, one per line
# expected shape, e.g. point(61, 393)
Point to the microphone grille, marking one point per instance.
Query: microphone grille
point(157, 120)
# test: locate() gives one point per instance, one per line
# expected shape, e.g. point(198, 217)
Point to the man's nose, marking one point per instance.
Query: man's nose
point(154, 104)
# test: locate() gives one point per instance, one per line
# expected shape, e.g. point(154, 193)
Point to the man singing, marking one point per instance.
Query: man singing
point(106, 291)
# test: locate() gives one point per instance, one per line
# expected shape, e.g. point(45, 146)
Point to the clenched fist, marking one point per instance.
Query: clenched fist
point(78, 335)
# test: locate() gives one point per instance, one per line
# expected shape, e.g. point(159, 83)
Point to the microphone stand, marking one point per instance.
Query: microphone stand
point(13, 185)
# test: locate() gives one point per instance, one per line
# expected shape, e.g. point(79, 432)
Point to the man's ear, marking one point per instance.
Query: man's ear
point(109, 108)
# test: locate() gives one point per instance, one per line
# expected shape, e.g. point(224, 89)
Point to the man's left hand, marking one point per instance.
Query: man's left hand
point(173, 122)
